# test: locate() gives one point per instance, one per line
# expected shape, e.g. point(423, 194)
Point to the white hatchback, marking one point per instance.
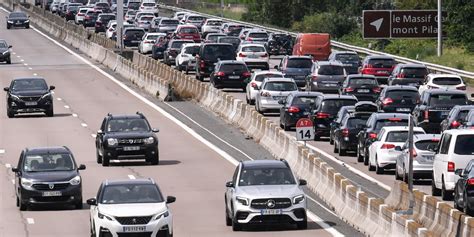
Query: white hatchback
point(443, 81)
point(187, 56)
point(254, 55)
point(149, 7)
point(272, 91)
point(256, 81)
point(81, 13)
point(148, 41)
point(382, 153)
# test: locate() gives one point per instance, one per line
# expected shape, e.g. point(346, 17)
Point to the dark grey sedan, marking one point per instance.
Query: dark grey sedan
point(18, 19)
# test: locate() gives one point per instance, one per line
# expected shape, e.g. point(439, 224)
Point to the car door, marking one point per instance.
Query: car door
point(100, 136)
point(94, 209)
point(461, 183)
point(284, 109)
point(440, 160)
point(230, 190)
point(361, 137)
point(374, 146)
point(19, 173)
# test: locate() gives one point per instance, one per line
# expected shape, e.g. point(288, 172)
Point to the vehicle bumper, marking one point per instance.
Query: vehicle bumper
point(4, 57)
point(387, 159)
point(160, 228)
point(19, 25)
point(120, 154)
point(326, 88)
point(366, 96)
point(249, 215)
point(230, 83)
point(20, 107)
point(266, 105)
point(69, 195)
point(347, 144)
point(147, 48)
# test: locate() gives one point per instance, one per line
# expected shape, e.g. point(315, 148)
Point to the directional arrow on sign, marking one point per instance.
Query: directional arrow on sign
point(377, 24)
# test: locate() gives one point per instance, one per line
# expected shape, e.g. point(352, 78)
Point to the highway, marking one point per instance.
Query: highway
point(194, 164)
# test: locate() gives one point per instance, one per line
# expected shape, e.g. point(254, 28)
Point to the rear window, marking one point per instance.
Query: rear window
point(304, 100)
point(229, 40)
point(102, 4)
point(152, 37)
point(354, 122)
point(263, 76)
point(188, 30)
point(398, 94)
point(255, 49)
point(299, 63)
point(447, 81)
point(426, 144)
point(281, 86)
point(134, 5)
point(260, 35)
point(146, 18)
point(390, 123)
point(464, 145)
point(235, 28)
point(196, 18)
point(347, 58)
point(362, 81)
point(223, 52)
point(192, 50)
point(148, 4)
point(83, 10)
point(169, 22)
point(447, 99)
point(214, 23)
point(178, 44)
point(107, 17)
point(462, 115)
point(136, 32)
point(382, 63)
point(233, 67)
point(333, 105)
point(331, 70)
point(399, 136)
point(414, 72)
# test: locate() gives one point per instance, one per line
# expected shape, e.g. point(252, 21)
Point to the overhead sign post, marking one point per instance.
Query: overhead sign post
point(390, 24)
point(304, 130)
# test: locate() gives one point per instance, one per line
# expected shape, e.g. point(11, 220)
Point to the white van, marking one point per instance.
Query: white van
point(456, 149)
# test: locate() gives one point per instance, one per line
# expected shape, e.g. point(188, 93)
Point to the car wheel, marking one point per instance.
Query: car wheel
point(378, 169)
point(50, 112)
point(105, 161)
point(22, 205)
point(155, 160)
point(366, 158)
point(342, 152)
point(92, 229)
point(370, 166)
point(335, 150)
point(445, 194)
point(360, 158)
point(78, 204)
point(244, 89)
point(286, 127)
point(236, 226)
point(199, 77)
point(434, 190)
point(467, 209)
point(8, 27)
point(9, 60)
point(228, 220)
point(99, 157)
point(10, 113)
point(302, 225)
point(27, 26)
point(397, 175)
point(17, 202)
point(455, 201)
point(405, 175)
point(331, 140)
point(187, 70)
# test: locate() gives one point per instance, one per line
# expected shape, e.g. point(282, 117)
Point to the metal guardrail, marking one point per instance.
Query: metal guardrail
point(336, 44)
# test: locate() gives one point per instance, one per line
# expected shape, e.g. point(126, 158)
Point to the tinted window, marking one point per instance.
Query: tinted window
point(17, 15)
point(169, 22)
point(148, 4)
point(354, 122)
point(255, 49)
point(48, 162)
point(223, 52)
point(102, 4)
point(138, 34)
point(462, 115)
point(333, 105)
point(178, 44)
point(152, 37)
point(402, 94)
point(447, 81)
point(233, 68)
point(196, 18)
point(3, 44)
point(260, 35)
point(263, 76)
point(107, 17)
point(399, 136)
point(188, 30)
point(146, 18)
point(134, 5)
point(131, 193)
point(464, 145)
point(235, 28)
point(192, 50)
point(426, 144)
point(331, 70)
point(263, 176)
point(229, 40)
point(347, 58)
point(362, 81)
point(127, 125)
point(214, 23)
point(299, 63)
point(281, 86)
point(379, 124)
point(382, 63)
point(304, 100)
point(29, 84)
point(414, 72)
point(447, 99)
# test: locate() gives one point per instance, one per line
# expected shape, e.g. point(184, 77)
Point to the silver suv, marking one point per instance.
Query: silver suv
point(265, 192)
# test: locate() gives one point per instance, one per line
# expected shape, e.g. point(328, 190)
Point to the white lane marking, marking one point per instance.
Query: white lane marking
point(93, 135)
point(18, 56)
point(131, 176)
point(325, 208)
point(30, 68)
point(59, 99)
point(13, 181)
point(84, 124)
point(35, 74)
point(2, 151)
point(352, 169)
point(8, 166)
point(74, 115)
point(26, 64)
point(30, 221)
point(66, 106)
point(219, 151)
point(22, 60)
point(13, 53)
point(324, 225)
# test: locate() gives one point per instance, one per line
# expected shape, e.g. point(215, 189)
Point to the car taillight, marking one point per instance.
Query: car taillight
point(264, 56)
point(387, 146)
point(463, 88)
point(349, 89)
point(470, 181)
point(253, 84)
point(372, 135)
point(246, 74)
point(203, 64)
point(369, 66)
point(249, 39)
point(401, 75)
point(376, 89)
point(314, 78)
point(293, 109)
point(395, 119)
point(265, 94)
point(220, 74)
point(427, 115)
point(345, 132)
point(322, 115)
point(413, 152)
point(387, 101)
point(242, 55)
point(455, 124)
point(451, 166)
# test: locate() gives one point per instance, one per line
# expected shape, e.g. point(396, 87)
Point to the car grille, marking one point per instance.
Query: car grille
point(265, 203)
point(130, 141)
point(134, 220)
point(52, 199)
point(55, 186)
point(145, 234)
point(30, 98)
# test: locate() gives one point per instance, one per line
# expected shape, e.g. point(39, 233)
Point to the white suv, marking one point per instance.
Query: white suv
point(271, 92)
point(455, 150)
point(130, 207)
point(265, 191)
point(442, 81)
point(256, 81)
point(254, 55)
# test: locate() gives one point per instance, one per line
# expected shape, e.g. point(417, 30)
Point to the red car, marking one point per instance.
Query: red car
point(379, 66)
point(187, 32)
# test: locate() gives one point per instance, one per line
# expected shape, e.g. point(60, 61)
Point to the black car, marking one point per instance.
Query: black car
point(345, 135)
point(280, 44)
point(456, 117)
point(325, 111)
point(235, 41)
point(398, 99)
point(464, 189)
point(230, 74)
point(18, 19)
point(364, 87)
point(29, 95)
point(126, 137)
point(296, 67)
point(435, 106)
point(90, 18)
point(338, 119)
point(408, 74)
point(297, 105)
point(5, 52)
point(174, 48)
point(71, 12)
point(349, 59)
point(209, 54)
point(102, 21)
point(373, 126)
point(159, 47)
point(132, 36)
point(48, 175)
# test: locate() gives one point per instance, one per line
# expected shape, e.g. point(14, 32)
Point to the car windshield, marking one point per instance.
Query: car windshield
point(347, 58)
point(399, 136)
point(426, 144)
point(390, 123)
point(261, 77)
point(3, 44)
point(29, 85)
point(356, 121)
point(280, 86)
point(260, 35)
point(222, 52)
point(398, 94)
point(214, 23)
point(48, 162)
point(382, 63)
point(188, 30)
point(131, 193)
point(17, 15)
point(331, 70)
point(229, 40)
point(414, 72)
point(362, 81)
point(333, 105)
point(253, 49)
point(127, 125)
point(304, 100)
point(196, 18)
point(447, 81)
point(148, 4)
point(464, 145)
point(266, 176)
point(233, 68)
point(299, 63)
point(169, 22)
point(152, 37)
point(447, 99)
point(178, 44)
point(462, 115)
point(192, 50)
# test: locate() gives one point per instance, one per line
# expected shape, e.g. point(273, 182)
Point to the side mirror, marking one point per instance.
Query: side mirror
point(100, 132)
point(229, 184)
point(6, 89)
point(276, 67)
point(81, 167)
point(15, 170)
point(10, 46)
point(52, 88)
point(458, 172)
point(170, 199)
point(92, 202)
point(302, 182)
point(155, 130)
point(257, 88)
point(398, 148)
point(282, 102)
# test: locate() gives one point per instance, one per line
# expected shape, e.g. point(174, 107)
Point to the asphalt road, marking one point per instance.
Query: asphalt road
point(189, 169)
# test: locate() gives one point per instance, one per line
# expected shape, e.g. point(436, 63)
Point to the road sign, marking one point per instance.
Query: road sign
point(304, 130)
point(385, 24)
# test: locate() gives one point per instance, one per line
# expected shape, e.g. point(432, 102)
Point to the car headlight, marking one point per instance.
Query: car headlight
point(27, 183)
point(298, 199)
point(46, 95)
point(149, 140)
point(11, 22)
point(27, 21)
point(75, 181)
point(6, 52)
point(112, 141)
point(102, 216)
point(242, 200)
point(160, 215)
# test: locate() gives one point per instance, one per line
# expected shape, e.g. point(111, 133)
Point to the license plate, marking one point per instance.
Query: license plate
point(131, 148)
point(444, 113)
point(413, 84)
point(31, 103)
point(428, 158)
point(279, 97)
point(363, 91)
point(403, 109)
point(234, 77)
point(140, 228)
point(188, 37)
point(52, 194)
point(383, 72)
point(270, 212)
point(253, 56)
